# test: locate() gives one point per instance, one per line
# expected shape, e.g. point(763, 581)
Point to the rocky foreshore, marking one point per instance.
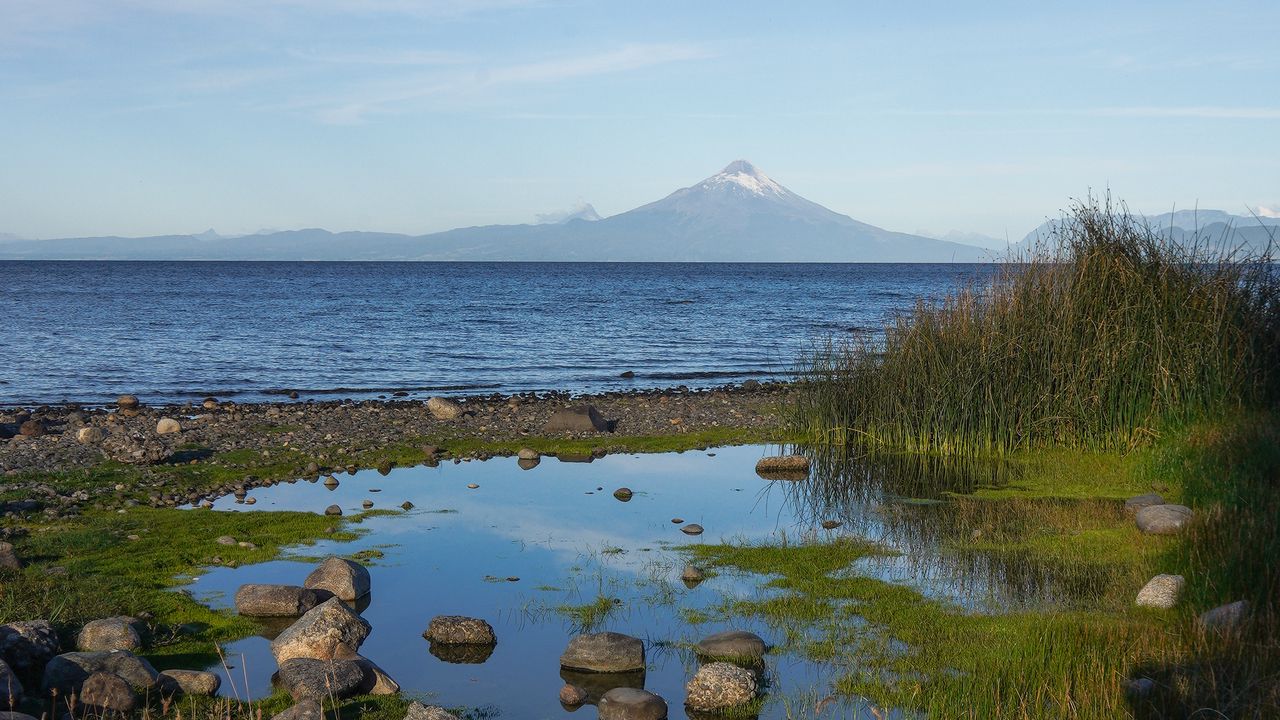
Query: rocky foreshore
point(275, 441)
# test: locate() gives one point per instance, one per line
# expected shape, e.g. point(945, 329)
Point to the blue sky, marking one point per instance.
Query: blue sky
point(145, 117)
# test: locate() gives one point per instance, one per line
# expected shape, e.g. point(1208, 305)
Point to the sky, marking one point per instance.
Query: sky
point(149, 117)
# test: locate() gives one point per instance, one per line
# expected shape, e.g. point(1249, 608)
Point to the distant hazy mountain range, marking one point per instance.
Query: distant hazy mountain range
point(1215, 227)
point(737, 215)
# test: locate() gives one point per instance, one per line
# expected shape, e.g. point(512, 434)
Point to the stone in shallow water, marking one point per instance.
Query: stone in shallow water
point(459, 629)
point(418, 711)
point(328, 630)
point(692, 529)
point(783, 464)
point(572, 695)
point(1163, 519)
point(1162, 591)
point(262, 600)
point(347, 580)
point(631, 704)
point(737, 646)
point(311, 678)
point(597, 684)
point(720, 686)
point(461, 654)
point(607, 652)
point(333, 510)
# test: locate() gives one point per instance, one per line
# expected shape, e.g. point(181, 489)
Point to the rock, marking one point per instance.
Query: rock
point(27, 647)
point(168, 426)
point(262, 600)
point(226, 540)
point(692, 529)
point(306, 709)
point(1163, 519)
point(443, 408)
point(1225, 618)
point(607, 652)
point(11, 689)
point(1134, 504)
point(692, 574)
point(1140, 688)
point(528, 454)
point(720, 686)
point(624, 494)
point(106, 693)
point(579, 418)
point(331, 482)
point(456, 654)
point(210, 403)
point(113, 633)
point(333, 510)
point(311, 678)
point(631, 704)
point(459, 630)
point(66, 673)
point(782, 466)
point(830, 524)
point(190, 682)
point(347, 580)
point(31, 428)
point(1162, 591)
point(8, 558)
point(526, 464)
point(375, 680)
point(572, 695)
point(329, 630)
point(738, 646)
point(89, 435)
point(418, 711)
point(128, 402)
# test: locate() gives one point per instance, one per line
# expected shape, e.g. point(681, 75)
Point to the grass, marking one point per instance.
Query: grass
point(1111, 336)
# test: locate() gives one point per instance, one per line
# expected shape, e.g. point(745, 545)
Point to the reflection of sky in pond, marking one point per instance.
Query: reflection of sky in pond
point(558, 528)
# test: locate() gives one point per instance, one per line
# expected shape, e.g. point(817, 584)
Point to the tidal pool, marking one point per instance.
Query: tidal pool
point(526, 550)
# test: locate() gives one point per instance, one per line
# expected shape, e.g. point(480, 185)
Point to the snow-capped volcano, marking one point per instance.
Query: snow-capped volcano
point(742, 175)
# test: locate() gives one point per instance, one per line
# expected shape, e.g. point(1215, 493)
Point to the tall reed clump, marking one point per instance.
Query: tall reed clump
point(1108, 331)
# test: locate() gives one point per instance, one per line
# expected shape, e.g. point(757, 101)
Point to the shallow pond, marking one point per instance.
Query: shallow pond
point(525, 547)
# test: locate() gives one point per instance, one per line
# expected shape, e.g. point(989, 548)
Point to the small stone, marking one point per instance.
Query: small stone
point(623, 493)
point(1162, 591)
point(190, 682)
point(692, 574)
point(8, 557)
point(580, 418)
point(528, 454)
point(333, 510)
point(1163, 519)
point(1225, 618)
point(89, 435)
point(366, 504)
point(127, 402)
point(783, 463)
point(472, 486)
point(572, 695)
point(692, 529)
point(1134, 504)
point(331, 482)
point(226, 540)
point(830, 524)
point(459, 630)
point(720, 686)
point(247, 545)
point(406, 505)
point(626, 703)
point(738, 646)
point(418, 711)
point(677, 520)
point(604, 652)
point(168, 426)
point(443, 408)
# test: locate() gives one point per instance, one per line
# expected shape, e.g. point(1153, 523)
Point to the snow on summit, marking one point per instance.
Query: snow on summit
point(743, 174)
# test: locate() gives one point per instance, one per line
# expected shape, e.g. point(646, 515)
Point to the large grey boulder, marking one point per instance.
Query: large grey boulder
point(1161, 591)
point(631, 704)
point(418, 711)
point(720, 686)
point(67, 673)
point(347, 580)
point(107, 694)
point(305, 709)
point(460, 630)
point(375, 680)
point(27, 646)
point(1134, 504)
point(113, 633)
point(737, 646)
point(311, 678)
point(168, 426)
point(11, 689)
point(329, 630)
point(190, 682)
point(579, 418)
point(263, 600)
point(607, 652)
point(1225, 618)
point(1163, 519)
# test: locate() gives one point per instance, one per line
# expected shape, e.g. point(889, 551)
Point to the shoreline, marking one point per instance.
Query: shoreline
point(59, 460)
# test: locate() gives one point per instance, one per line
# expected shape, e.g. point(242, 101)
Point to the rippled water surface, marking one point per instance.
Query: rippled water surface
point(173, 331)
point(558, 528)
